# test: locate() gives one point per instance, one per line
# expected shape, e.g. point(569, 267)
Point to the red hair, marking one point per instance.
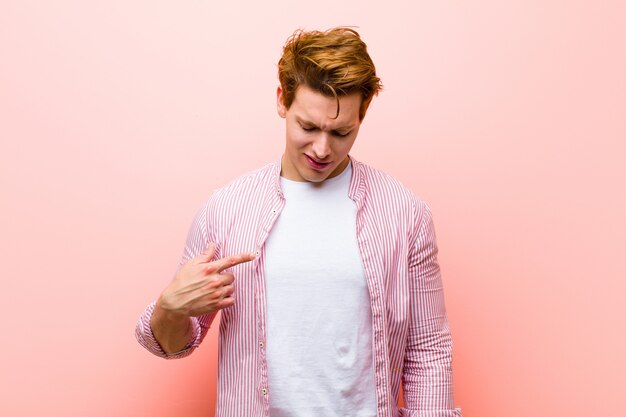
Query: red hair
point(334, 63)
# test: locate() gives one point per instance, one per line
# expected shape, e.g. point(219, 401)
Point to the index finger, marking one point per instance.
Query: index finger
point(233, 260)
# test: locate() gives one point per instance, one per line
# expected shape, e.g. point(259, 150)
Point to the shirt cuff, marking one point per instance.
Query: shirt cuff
point(456, 412)
point(145, 337)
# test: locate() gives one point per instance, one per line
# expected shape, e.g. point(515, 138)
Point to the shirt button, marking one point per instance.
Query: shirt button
point(273, 211)
point(264, 391)
point(258, 252)
point(261, 345)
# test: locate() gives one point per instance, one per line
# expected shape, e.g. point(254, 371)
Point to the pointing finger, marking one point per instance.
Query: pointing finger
point(233, 260)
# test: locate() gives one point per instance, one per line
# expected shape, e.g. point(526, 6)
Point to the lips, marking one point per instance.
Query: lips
point(315, 164)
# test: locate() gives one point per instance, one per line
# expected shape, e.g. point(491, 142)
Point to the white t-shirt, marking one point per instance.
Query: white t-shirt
point(319, 327)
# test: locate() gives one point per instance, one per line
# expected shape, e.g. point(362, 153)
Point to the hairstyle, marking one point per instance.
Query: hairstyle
point(334, 63)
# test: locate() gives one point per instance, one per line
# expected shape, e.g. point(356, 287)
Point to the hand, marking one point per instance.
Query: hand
point(201, 286)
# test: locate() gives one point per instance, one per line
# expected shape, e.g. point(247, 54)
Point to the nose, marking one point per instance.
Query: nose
point(321, 146)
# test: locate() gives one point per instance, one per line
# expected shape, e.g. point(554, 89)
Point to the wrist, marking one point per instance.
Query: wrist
point(172, 331)
point(164, 314)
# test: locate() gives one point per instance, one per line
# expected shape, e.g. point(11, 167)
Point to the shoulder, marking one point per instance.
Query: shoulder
point(385, 193)
point(253, 181)
point(379, 184)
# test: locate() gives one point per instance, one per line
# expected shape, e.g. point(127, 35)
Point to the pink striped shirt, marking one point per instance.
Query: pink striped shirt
point(396, 238)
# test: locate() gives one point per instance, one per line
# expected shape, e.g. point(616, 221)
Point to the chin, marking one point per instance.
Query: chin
point(316, 180)
point(315, 177)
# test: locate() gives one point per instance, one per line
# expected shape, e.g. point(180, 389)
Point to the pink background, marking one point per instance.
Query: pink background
point(118, 118)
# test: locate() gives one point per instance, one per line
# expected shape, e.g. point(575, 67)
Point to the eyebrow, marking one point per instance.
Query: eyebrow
point(338, 129)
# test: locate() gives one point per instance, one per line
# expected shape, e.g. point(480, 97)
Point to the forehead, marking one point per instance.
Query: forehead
point(312, 106)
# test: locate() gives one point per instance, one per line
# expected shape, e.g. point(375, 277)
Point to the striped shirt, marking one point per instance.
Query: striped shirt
point(412, 344)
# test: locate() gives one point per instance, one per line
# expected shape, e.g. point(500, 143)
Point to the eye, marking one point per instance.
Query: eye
point(308, 128)
point(341, 135)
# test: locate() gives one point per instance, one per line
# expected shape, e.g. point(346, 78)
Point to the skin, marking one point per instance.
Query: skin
point(313, 132)
point(201, 286)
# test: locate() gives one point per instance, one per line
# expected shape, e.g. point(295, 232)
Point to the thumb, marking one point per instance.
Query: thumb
point(208, 253)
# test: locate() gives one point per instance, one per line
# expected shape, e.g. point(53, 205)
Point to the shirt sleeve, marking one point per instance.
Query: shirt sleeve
point(143, 332)
point(427, 374)
point(197, 241)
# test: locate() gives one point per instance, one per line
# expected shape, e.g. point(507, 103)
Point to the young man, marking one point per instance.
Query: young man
point(324, 268)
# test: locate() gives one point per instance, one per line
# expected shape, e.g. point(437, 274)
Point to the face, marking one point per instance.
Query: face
point(317, 144)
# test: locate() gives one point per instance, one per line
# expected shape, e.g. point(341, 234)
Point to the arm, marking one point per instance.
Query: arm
point(174, 325)
point(174, 332)
point(189, 339)
point(176, 337)
point(427, 375)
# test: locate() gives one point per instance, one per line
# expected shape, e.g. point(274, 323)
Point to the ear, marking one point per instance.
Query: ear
point(282, 110)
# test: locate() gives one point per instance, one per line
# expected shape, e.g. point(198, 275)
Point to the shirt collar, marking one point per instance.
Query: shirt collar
point(357, 185)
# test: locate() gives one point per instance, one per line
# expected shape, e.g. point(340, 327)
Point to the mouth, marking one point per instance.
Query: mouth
point(316, 164)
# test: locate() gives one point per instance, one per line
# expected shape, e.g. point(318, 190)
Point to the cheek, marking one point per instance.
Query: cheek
point(296, 138)
point(343, 147)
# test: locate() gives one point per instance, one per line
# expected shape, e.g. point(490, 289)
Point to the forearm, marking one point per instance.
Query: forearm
point(188, 339)
point(172, 332)
point(428, 368)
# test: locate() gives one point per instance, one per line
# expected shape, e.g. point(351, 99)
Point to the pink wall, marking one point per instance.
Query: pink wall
point(117, 119)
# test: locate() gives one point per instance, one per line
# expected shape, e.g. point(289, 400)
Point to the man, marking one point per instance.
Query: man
point(324, 268)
